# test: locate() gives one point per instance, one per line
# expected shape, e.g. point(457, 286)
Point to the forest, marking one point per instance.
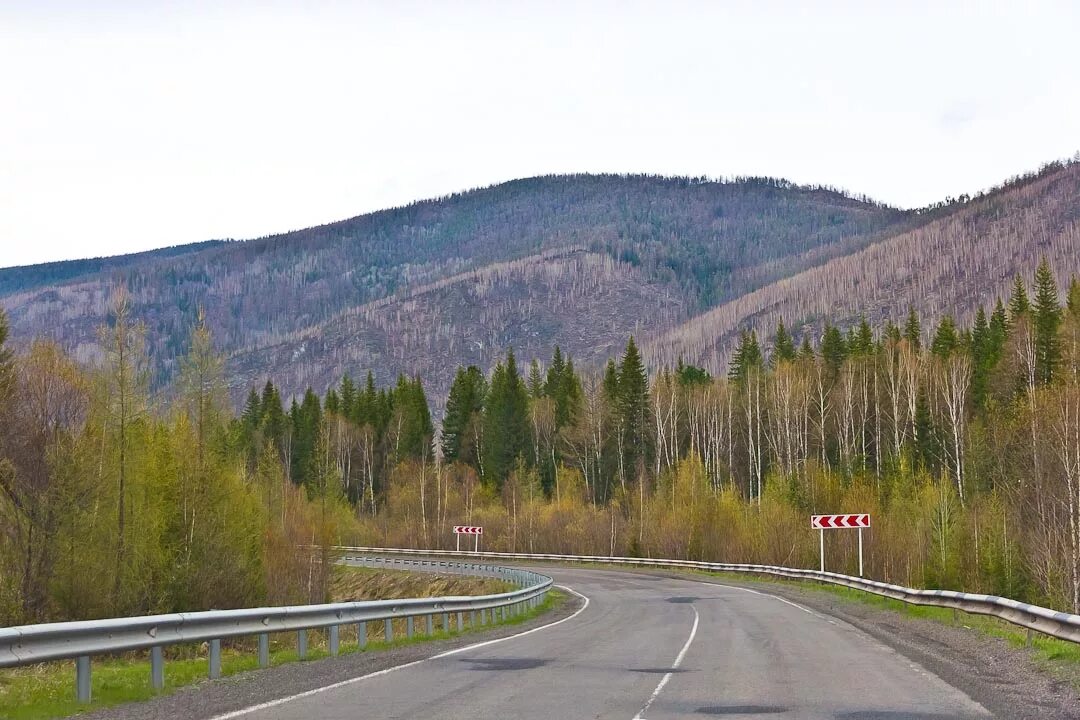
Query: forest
point(962, 441)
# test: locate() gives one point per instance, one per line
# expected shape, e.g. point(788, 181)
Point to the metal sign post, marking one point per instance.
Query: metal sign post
point(821, 523)
point(473, 530)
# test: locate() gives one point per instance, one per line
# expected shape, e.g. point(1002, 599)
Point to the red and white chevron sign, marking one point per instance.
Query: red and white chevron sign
point(827, 522)
point(468, 530)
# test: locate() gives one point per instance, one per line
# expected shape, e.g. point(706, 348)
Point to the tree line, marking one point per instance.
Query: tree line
point(115, 501)
point(962, 442)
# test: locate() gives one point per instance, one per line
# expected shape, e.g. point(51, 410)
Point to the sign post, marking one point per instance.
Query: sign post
point(473, 530)
point(821, 523)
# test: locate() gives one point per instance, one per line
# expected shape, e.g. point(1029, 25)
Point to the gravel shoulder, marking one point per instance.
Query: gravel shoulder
point(212, 698)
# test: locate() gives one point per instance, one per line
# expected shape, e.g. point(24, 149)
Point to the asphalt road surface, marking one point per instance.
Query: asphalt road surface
point(650, 648)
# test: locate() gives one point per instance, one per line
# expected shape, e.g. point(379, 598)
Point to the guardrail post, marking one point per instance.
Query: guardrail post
point(472, 619)
point(215, 659)
point(388, 630)
point(301, 644)
point(82, 678)
point(459, 621)
point(157, 668)
point(483, 616)
point(446, 622)
point(430, 625)
point(361, 635)
point(264, 650)
point(333, 639)
point(409, 626)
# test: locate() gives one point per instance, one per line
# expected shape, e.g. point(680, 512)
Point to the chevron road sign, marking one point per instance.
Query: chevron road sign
point(821, 523)
point(473, 530)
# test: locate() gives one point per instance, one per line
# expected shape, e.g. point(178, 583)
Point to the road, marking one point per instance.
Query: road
point(650, 648)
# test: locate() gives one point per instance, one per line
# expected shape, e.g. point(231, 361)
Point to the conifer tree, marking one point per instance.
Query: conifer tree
point(891, 333)
point(1047, 318)
point(1072, 303)
point(506, 421)
point(783, 345)
point(1018, 301)
point(981, 360)
point(412, 424)
point(833, 348)
point(273, 417)
point(688, 375)
point(946, 340)
point(463, 405)
point(747, 357)
point(633, 406)
point(806, 350)
point(536, 380)
point(332, 403)
point(348, 396)
point(862, 343)
point(251, 415)
point(913, 331)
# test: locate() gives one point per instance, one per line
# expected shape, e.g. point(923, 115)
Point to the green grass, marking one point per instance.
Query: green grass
point(48, 690)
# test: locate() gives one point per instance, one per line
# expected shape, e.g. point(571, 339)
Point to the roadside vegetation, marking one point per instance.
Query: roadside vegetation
point(46, 691)
point(962, 443)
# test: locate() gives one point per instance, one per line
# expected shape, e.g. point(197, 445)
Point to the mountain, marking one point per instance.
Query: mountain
point(965, 256)
point(579, 260)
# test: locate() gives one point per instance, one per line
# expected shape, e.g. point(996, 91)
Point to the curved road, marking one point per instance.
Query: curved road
point(650, 648)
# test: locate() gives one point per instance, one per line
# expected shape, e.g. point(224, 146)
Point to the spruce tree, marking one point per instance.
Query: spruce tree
point(806, 350)
point(981, 361)
point(463, 404)
point(891, 334)
point(946, 340)
point(1072, 303)
point(863, 342)
point(348, 396)
point(833, 348)
point(554, 379)
point(568, 397)
point(747, 357)
point(783, 345)
point(1018, 301)
point(413, 419)
point(332, 403)
point(913, 330)
point(536, 380)
point(252, 413)
point(506, 421)
point(1047, 317)
point(687, 375)
point(634, 406)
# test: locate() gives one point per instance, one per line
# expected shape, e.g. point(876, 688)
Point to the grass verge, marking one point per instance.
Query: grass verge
point(47, 690)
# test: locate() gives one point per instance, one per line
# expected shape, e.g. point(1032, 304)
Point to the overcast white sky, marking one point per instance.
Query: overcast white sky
point(131, 125)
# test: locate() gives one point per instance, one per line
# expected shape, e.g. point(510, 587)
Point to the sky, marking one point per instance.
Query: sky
point(132, 125)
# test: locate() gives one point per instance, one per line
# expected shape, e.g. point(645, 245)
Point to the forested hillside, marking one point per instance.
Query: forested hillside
point(965, 256)
point(685, 242)
point(961, 440)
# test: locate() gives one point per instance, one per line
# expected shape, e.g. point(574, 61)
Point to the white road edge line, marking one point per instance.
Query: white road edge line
point(674, 666)
point(387, 671)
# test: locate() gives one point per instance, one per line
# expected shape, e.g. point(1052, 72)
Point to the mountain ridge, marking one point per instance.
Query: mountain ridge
point(642, 254)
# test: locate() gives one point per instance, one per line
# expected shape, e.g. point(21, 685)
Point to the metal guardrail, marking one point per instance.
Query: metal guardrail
point(1062, 625)
point(30, 644)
